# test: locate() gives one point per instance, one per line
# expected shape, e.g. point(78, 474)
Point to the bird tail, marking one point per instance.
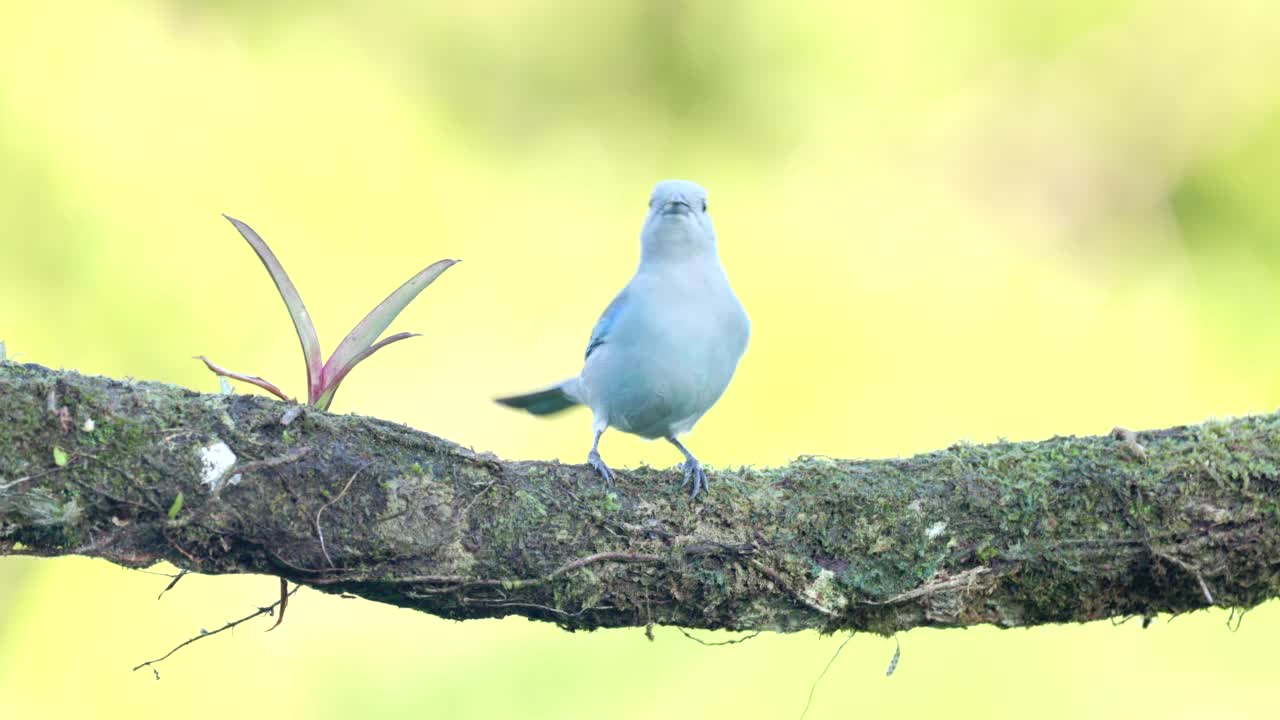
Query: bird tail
point(546, 402)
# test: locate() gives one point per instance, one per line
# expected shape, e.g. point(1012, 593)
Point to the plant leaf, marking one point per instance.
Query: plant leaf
point(293, 300)
point(331, 388)
point(375, 323)
point(59, 456)
point(176, 507)
point(251, 379)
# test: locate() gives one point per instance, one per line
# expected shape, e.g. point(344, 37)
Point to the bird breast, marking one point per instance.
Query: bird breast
point(670, 357)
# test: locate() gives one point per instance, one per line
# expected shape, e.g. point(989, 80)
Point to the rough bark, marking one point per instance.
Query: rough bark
point(1014, 534)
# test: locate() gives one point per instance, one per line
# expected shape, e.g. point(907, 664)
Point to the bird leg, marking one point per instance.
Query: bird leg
point(593, 459)
point(692, 469)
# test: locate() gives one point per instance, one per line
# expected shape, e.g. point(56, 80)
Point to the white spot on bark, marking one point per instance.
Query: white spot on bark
point(823, 591)
point(218, 459)
point(935, 530)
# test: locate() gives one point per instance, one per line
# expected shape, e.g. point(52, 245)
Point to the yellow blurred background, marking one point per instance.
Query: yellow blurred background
point(948, 220)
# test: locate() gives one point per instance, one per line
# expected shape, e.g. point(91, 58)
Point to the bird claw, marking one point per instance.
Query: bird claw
point(597, 464)
point(693, 471)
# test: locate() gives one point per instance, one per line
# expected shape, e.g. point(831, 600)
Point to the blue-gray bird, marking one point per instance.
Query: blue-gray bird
point(666, 347)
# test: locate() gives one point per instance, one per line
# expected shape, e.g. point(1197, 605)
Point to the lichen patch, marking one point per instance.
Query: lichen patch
point(217, 459)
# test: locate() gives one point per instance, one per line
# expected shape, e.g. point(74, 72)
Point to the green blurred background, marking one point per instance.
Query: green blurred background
point(948, 220)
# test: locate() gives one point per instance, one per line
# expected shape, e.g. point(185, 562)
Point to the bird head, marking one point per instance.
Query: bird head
point(677, 225)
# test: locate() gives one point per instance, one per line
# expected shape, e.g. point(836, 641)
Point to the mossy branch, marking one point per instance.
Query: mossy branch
point(1013, 534)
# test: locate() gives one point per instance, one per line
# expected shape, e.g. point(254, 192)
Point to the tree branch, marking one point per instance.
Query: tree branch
point(1014, 534)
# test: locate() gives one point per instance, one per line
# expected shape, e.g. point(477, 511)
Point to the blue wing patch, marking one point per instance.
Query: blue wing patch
point(600, 333)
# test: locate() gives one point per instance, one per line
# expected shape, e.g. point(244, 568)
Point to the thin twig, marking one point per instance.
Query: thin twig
point(50, 471)
point(1191, 569)
point(786, 587)
point(319, 529)
point(142, 489)
point(503, 603)
point(145, 571)
point(459, 582)
point(620, 557)
point(289, 457)
point(823, 674)
point(479, 495)
point(174, 544)
point(1236, 616)
point(933, 587)
point(269, 610)
point(181, 574)
point(103, 493)
point(734, 641)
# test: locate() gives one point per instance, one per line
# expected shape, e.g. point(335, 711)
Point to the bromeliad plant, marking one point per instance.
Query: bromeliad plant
point(323, 379)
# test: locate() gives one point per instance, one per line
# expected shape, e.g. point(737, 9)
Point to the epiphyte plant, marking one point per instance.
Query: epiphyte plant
point(323, 378)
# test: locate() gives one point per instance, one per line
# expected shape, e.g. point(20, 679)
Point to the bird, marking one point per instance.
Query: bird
point(666, 347)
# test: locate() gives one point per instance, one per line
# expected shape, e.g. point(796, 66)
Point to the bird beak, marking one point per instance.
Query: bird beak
point(676, 204)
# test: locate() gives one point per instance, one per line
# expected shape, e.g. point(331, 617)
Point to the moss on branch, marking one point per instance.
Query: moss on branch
point(1014, 534)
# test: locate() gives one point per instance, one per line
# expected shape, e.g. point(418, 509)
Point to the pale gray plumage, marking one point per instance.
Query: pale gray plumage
point(666, 347)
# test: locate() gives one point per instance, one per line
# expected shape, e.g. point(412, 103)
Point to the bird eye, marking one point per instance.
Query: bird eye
point(704, 204)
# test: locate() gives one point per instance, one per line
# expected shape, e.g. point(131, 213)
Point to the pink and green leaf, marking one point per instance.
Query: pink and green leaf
point(331, 387)
point(358, 344)
point(251, 379)
point(297, 311)
point(324, 378)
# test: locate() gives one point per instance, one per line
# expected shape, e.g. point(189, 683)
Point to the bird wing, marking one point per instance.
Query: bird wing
point(600, 333)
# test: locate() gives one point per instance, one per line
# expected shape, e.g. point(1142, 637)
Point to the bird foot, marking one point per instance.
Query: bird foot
point(597, 464)
point(693, 472)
